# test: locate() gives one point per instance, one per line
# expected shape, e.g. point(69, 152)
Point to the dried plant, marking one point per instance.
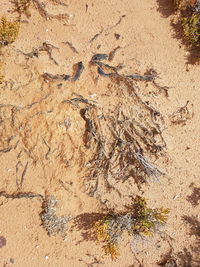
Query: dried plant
point(23, 7)
point(124, 142)
point(52, 223)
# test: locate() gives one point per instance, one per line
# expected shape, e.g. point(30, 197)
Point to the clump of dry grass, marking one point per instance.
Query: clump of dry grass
point(8, 31)
point(138, 220)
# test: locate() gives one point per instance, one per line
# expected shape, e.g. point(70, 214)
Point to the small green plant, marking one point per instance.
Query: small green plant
point(191, 27)
point(8, 31)
point(139, 220)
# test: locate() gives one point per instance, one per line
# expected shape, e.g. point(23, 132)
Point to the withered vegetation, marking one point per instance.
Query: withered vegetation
point(22, 7)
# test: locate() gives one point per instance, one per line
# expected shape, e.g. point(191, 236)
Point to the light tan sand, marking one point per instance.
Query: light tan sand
point(146, 41)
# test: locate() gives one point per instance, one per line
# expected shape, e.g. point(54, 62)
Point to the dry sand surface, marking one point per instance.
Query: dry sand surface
point(46, 147)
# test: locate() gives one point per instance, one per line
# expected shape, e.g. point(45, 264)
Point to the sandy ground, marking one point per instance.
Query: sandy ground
point(41, 146)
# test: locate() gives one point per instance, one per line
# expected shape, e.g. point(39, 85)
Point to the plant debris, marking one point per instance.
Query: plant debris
point(182, 115)
point(53, 224)
point(45, 47)
point(122, 139)
point(19, 195)
point(23, 7)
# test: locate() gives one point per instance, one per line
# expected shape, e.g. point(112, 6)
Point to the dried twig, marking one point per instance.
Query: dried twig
point(181, 115)
point(19, 195)
point(95, 36)
point(45, 47)
point(71, 46)
point(41, 9)
point(49, 149)
point(78, 68)
point(23, 174)
point(112, 53)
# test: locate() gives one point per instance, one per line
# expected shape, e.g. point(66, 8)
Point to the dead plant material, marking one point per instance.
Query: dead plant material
point(124, 141)
point(45, 47)
point(59, 2)
point(182, 115)
point(56, 77)
point(168, 260)
point(23, 7)
point(5, 150)
point(120, 143)
point(112, 53)
point(19, 195)
point(49, 149)
point(53, 224)
point(79, 99)
point(78, 69)
point(95, 36)
point(23, 174)
point(71, 46)
point(20, 181)
point(41, 9)
point(102, 68)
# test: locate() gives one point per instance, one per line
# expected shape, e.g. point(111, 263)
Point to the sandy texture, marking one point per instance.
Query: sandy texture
point(42, 148)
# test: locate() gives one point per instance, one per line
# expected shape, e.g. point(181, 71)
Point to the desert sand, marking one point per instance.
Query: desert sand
point(42, 149)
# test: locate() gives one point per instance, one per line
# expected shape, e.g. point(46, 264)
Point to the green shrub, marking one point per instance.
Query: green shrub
point(191, 27)
point(138, 220)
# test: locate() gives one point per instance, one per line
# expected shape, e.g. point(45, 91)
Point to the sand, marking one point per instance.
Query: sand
point(47, 155)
